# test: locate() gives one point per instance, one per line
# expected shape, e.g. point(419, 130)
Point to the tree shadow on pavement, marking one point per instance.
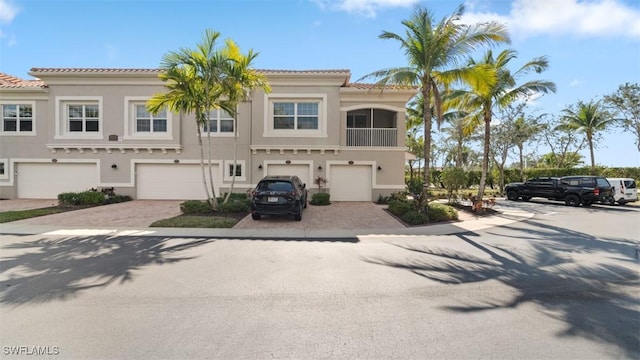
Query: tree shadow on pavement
point(596, 300)
point(60, 268)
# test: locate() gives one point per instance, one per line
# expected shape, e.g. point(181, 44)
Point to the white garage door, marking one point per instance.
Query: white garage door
point(350, 183)
point(300, 170)
point(173, 181)
point(46, 181)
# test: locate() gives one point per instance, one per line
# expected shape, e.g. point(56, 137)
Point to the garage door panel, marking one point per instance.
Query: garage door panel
point(173, 181)
point(46, 181)
point(350, 183)
point(299, 170)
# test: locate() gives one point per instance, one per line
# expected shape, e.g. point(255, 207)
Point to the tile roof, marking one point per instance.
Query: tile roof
point(8, 82)
point(363, 86)
point(133, 70)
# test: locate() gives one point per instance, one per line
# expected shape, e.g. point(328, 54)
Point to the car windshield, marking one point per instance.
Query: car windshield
point(275, 185)
point(630, 184)
point(602, 182)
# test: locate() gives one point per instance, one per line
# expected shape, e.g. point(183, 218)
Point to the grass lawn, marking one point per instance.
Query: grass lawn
point(7, 216)
point(197, 221)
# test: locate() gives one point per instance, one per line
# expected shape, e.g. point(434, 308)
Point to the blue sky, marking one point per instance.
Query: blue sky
point(593, 46)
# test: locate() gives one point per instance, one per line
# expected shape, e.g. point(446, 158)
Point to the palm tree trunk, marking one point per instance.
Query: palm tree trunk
point(520, 150)
point(426, 108)
point(593, 160)
point(204, 177)
point(485, 158)
point(235, 157)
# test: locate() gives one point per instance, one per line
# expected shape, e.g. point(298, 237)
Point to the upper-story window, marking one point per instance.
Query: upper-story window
point(147, 122)
point(4, 173)
point(17, 118)
point(83, 118)
point(296, 115)
point(140, 124)
point(220, 123)
point(79, 117)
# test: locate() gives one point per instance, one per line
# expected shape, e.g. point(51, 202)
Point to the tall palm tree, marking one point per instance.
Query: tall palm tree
point(183, 94)
point(239, 80)
point(589, 119)
point(481, 100)
point(199, 73)
point(433, 50)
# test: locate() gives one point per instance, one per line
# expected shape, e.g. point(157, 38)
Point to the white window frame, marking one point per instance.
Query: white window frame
point(228, 176)
point(62, 120)
point(270, 99)
point(6, 169)
point(18, 132)
point(130, 126)
point(219, 133)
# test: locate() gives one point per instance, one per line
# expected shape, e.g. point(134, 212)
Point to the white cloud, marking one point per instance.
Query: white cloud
point(7, 11)
point(576, 82)
point(366, 8)
point(577, 17)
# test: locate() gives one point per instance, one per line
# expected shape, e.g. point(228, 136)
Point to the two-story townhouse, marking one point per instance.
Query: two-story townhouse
point(75, 129)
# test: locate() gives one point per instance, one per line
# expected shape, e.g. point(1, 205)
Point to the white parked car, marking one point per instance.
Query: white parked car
point(624, 190)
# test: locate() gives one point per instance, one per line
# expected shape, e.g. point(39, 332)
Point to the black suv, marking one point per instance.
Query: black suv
point(279, 195)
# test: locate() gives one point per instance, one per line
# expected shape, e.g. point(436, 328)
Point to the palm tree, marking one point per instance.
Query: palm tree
point(432, 51)
point(524, 128)
point(198, 74)
point(239, 80)
point(590, 119)
point(481, 100)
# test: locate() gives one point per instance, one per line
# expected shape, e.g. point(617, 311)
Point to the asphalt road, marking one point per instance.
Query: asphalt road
point(562, 285)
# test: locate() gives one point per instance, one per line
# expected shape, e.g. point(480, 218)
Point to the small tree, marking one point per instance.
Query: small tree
point(321, 182)
point(453, 179)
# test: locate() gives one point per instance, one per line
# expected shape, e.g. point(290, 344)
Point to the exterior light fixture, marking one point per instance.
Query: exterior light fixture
point(319, 167)
point(260, 167)
point(379, 167)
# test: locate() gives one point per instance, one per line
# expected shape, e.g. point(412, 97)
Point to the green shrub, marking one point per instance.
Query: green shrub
point(88, 197)
point(414, 186)
point(453, 180)
point(116, 199)
point(399, 207)
point(233, 196)
point(415, 218)
point(441, 212)
point(195, 207)
point(235, 206)
point(320, 199)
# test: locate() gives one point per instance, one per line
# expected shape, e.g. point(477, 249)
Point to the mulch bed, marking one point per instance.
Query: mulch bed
point(469, 209)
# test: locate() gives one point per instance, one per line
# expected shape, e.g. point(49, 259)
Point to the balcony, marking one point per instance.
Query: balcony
point(372, 137)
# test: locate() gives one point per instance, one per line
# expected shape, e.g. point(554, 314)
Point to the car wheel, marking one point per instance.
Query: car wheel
point(512, 195)
point(255, 216)
point(621, 202)
point(298, 216)
point(572, 200)
point(587, 203)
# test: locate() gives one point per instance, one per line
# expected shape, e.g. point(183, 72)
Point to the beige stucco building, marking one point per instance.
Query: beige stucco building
point(75, 129)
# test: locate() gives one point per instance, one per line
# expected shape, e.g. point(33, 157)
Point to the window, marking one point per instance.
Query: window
point(295, 116)
point(220, 122)
point(229, 170)
point(238, 170)
point(147, 122)
point(78, 117)
point(83, 118)
point(17, 119)
point(4, 174)
point(140, 124)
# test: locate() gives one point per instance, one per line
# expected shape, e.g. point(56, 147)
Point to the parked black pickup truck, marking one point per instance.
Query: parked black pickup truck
point(573, 190)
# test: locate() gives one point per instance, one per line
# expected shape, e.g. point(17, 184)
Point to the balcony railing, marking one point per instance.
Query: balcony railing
point(376, 137)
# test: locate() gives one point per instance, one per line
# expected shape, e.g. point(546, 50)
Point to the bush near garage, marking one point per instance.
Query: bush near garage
point(86, 198)
point(191, 207)
point(412, 212)
point(235, 206)
point(320, 199)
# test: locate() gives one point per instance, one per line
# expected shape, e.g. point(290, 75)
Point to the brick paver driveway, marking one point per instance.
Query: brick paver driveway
point(141, 213)
point(338, 215)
